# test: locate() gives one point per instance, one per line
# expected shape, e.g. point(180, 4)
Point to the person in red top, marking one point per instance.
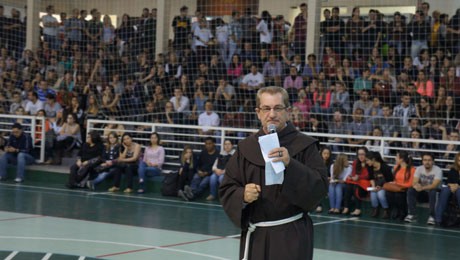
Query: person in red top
point(403, 176)
point(357, 183)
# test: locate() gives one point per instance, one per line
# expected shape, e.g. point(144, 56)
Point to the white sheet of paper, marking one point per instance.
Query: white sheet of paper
point(274, 171)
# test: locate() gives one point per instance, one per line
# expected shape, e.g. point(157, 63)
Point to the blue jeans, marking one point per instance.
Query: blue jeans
point(20, 160)
point(52, 41)
point(214, 182)
point(416, 47)
point(412, 200)
point(150, 171)
point(199, 184)
point(336, 195)
point(443, 201)
point(379, 196)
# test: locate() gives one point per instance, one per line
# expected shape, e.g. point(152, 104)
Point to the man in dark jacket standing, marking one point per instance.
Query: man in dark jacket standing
point(18, 152)
point(273, 218)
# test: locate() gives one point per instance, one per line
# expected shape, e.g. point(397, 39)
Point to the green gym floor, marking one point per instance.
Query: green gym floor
point(41, 219)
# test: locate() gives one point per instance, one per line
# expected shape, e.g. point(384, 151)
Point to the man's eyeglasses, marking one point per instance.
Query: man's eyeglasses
point(267, 109)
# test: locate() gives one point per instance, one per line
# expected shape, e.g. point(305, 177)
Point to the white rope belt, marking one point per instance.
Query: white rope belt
point(252, 227)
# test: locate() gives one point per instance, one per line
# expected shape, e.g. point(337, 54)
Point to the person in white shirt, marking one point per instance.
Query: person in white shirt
point(222, 36)
point(265, 28)
point(202, 38)
point(181, 103)
point(250, 84)
point(50, 28)
point(208, 118)
point(34, 105)
point(340, 170)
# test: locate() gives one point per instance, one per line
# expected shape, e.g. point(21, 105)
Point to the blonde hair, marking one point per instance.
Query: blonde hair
point(339, 165)
point(182, 157)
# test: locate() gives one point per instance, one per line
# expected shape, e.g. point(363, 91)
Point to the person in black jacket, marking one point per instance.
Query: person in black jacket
point(88, 157)
point(380, 174)
point(18, 152)
point(218, 169)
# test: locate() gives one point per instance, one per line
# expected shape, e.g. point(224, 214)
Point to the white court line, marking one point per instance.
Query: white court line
point(111, 243)
point(13, 254)
point(409, 226)
point(81, 258)
point(334, 221)
point(85, 192)
point(47, 256)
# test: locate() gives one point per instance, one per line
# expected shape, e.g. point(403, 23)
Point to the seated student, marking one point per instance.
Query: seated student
point(88, 157)
point(381, 173)
point(126, 163)
point(204, 164)
point(452, 189)
point(427, 180)
point(357, 183)
point(18, 152)
point(67, 138)
point(403, 173)
point(339, 172)
point(218, 169)
point(151, 164)
point(186, 172)
point(110, 153)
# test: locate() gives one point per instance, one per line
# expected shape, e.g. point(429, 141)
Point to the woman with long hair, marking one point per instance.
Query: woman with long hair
point(152, 162)
point(186, 172)
point(380, 174)
point(127, 163)
point(425, 87)
point(88, 156)
point(357, 183)
point(339, 172)
point(67, 138)
point(110, 153)
point(452, 189)
point(403, 173)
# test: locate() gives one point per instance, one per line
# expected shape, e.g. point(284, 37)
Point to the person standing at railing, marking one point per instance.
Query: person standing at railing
point(17, 152)
point(274, 218)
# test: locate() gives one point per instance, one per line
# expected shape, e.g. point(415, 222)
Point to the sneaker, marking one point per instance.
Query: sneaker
point(181, 194)
point(319, 209)
point(18, 180)
point(90, 185)
point(188, 192)
point(128, 190)
point(114, 189)
point(431, 221)
point(410, 218)
point(210, 198)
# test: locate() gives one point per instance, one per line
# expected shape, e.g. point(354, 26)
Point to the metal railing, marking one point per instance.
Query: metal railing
point(30, 125)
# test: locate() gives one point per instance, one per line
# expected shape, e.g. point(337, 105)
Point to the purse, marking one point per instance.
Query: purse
point(393, 187)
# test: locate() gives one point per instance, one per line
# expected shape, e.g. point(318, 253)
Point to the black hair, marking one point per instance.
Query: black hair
point(408, 160)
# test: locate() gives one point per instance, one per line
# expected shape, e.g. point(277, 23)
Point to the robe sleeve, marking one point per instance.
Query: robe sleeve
point(231, 190)
point(306, 183)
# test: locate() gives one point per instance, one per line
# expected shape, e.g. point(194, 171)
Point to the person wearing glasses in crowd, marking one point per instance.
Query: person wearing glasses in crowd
point(280, 208)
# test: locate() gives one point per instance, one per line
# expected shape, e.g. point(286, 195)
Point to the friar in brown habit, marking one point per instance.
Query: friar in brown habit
point(275, 216)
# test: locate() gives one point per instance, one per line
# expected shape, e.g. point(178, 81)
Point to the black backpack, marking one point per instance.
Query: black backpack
point(451, 217)
point(169, 184)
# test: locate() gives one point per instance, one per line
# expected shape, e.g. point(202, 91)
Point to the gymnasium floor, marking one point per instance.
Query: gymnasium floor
point(40, 219)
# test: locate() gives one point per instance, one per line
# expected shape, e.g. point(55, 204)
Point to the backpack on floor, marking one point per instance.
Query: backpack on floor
point(451, 217)
point(169, 184)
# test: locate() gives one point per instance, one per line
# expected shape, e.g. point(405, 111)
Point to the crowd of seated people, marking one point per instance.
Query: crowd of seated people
point(395, 76)
point(394, 191)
